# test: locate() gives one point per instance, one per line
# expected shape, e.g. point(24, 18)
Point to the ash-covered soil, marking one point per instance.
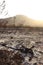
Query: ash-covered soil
point(28, 39)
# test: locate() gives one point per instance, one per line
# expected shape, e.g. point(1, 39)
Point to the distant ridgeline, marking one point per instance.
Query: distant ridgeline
point(20, 21)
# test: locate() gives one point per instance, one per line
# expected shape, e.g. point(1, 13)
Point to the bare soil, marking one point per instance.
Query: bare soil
point(15, 38)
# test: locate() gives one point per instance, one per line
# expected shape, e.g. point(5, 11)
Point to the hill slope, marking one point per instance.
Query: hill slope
point(20, 20)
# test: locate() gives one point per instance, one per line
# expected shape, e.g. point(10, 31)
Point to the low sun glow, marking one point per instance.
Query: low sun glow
point(31, 8)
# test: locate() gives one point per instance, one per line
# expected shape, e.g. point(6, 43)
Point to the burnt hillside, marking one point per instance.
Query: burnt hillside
point(16, 38)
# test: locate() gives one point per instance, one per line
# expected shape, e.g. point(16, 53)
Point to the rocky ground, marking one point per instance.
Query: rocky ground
point(12, 40)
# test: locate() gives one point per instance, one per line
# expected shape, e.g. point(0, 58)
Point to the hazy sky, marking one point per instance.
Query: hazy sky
point(31, 8)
